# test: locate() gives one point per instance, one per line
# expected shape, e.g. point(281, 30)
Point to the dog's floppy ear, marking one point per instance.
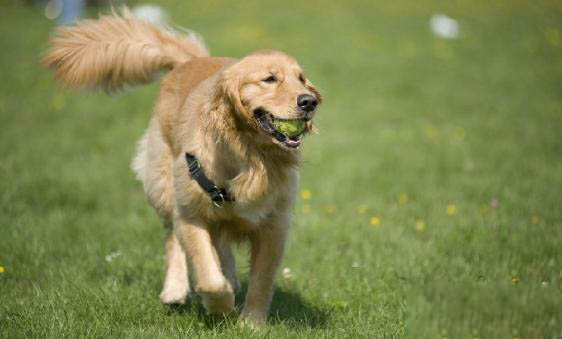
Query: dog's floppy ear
point(229, 86)
point(226, 104)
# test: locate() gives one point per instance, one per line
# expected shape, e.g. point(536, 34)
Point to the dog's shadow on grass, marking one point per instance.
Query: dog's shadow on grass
point(287, 307)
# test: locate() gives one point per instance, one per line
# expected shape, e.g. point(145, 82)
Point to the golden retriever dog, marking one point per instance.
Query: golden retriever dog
point(214, 163)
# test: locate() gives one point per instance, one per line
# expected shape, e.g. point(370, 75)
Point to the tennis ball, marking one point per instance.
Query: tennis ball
point(290, 128)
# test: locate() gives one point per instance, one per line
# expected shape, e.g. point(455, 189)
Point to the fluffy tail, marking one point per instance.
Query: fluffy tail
point(117, 50)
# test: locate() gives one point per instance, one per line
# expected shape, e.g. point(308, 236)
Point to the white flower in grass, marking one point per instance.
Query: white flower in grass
point(112, 256)
point(287, 274)
point(151, 13)
point(444, 26)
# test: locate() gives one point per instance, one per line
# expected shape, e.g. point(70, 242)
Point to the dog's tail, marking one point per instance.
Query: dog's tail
point(117, 50)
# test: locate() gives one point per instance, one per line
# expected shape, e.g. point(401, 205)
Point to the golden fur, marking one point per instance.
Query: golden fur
point(206, 107)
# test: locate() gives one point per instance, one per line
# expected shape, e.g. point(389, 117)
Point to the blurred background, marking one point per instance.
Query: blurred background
point(430, 202)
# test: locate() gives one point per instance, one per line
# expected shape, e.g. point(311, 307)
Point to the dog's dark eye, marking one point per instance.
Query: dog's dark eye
point(301, 78)
point(270, 79)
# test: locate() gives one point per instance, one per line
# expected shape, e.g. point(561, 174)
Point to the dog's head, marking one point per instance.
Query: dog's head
point(270, 94)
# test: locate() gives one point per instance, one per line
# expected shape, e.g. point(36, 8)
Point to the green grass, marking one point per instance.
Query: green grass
point(412, 127)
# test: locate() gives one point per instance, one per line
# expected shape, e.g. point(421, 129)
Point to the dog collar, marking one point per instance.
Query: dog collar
point(218, 195)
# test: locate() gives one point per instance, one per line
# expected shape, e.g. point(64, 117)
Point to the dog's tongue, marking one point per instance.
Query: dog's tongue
point(292, 143)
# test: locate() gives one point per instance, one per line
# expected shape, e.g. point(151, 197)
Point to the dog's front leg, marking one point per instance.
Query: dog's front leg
point(215, 290)
point(267, 246)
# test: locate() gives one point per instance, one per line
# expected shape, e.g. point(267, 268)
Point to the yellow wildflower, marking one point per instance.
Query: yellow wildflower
point(306, 195)
point(1, 269)
point(420, 225)
point(451, 209)
point(375, 221)
point(536, 219)
point(403, 198)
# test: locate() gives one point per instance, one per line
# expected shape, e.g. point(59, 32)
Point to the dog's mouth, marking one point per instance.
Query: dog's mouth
point(288, 132)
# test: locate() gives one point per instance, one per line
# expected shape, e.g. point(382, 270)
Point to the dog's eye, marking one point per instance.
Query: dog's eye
point(301, 78)
point(270, 79)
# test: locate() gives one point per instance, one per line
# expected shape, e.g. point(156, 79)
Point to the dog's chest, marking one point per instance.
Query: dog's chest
point(256, 212)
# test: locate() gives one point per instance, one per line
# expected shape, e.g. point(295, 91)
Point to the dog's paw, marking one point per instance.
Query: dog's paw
point(174, 295)
point(216, 295)
point(218, 302)
point(250, 320)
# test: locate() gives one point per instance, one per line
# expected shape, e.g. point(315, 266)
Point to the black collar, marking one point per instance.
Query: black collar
point(218, 195)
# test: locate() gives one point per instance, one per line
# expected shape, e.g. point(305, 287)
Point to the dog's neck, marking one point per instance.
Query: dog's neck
point(248, 164)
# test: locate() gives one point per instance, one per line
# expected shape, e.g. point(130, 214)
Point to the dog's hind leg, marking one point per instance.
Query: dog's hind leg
point(228, 263)
point(176, 283)
point(211, 285)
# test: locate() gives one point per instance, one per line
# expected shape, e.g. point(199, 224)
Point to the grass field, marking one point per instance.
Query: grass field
point(431, 202)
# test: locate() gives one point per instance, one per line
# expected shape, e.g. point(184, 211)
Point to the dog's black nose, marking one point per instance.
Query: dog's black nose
point(307, 102)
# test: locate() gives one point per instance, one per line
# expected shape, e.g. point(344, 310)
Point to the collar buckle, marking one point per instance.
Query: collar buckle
point(217, 197)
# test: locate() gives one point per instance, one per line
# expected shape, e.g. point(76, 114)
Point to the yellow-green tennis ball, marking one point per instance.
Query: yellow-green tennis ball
point(290, 128)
